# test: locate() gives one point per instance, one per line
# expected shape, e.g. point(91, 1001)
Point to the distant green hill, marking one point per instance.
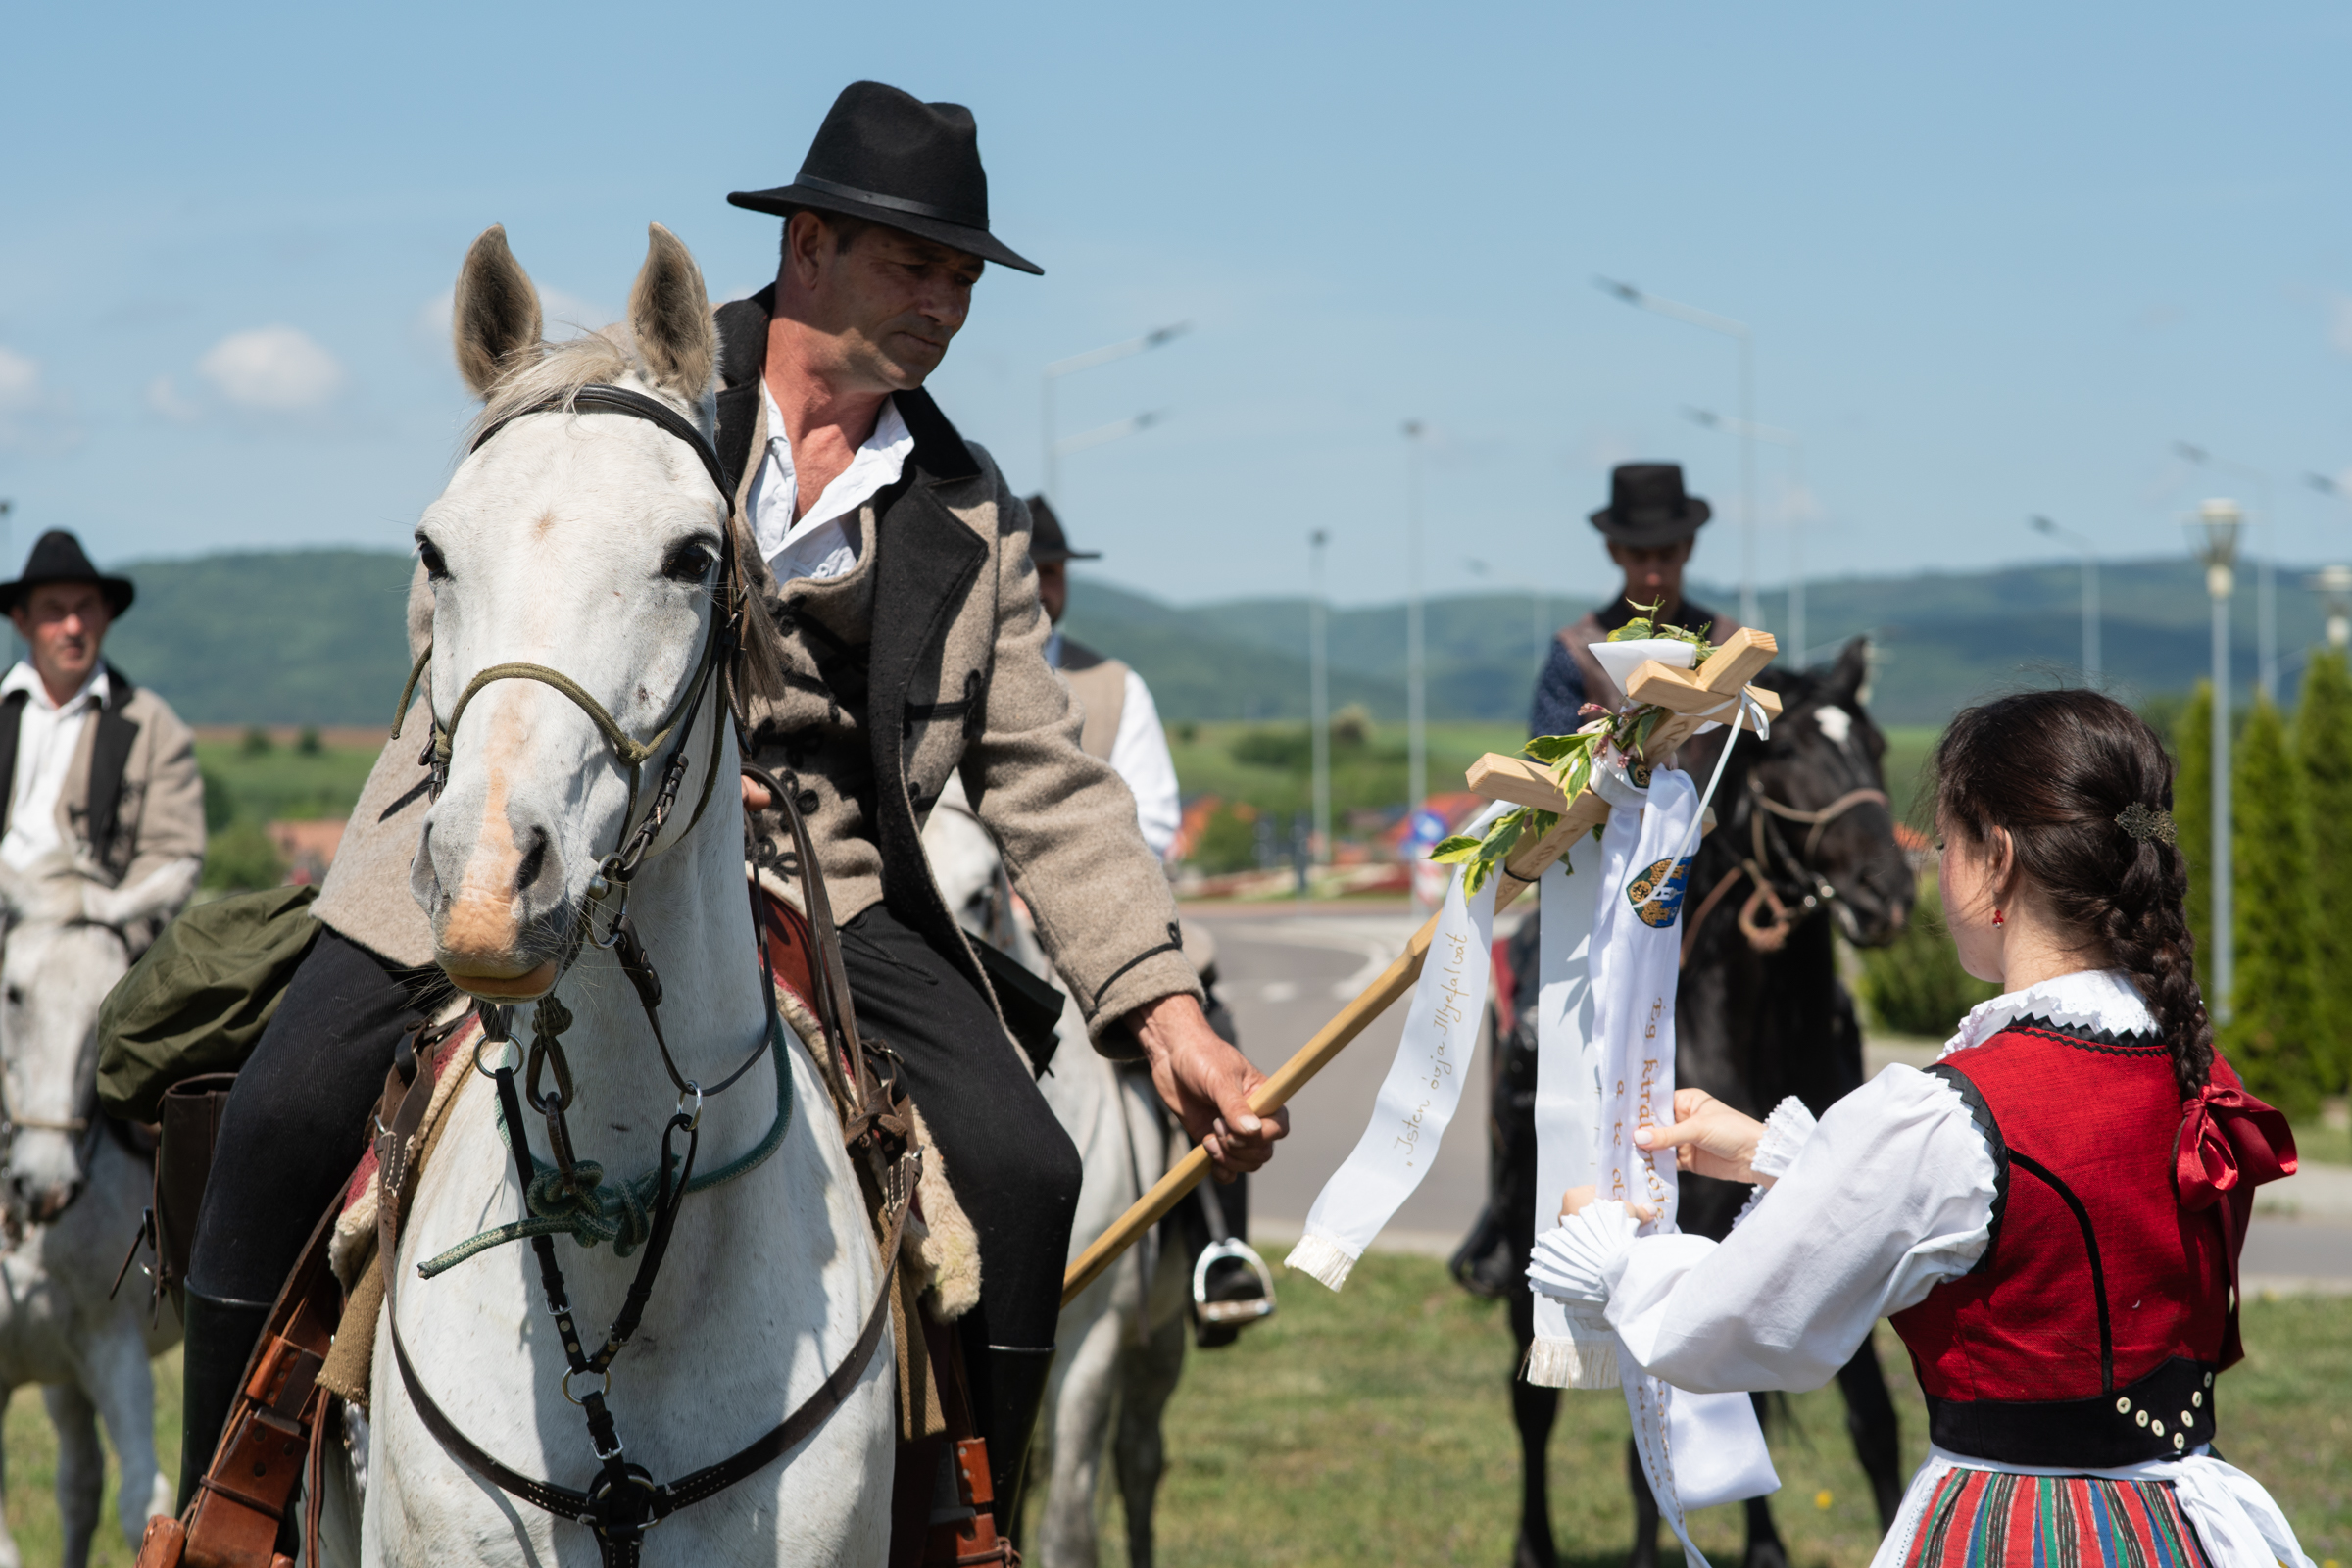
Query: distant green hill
point(279, 637)
point(315, 637)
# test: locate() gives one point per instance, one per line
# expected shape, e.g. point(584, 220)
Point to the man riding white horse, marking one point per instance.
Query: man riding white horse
point(100, 772)
point(893, 561)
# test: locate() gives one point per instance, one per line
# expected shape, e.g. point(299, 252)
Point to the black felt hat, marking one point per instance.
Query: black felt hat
point(1647, 505)
point(57, 556)
point(887, 156)
point(1047, 544)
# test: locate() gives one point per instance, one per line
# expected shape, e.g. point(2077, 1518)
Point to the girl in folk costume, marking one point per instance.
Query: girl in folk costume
point(2052, 1213)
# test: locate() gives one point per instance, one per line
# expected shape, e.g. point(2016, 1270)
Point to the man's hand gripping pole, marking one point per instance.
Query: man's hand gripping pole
point(1691, 697)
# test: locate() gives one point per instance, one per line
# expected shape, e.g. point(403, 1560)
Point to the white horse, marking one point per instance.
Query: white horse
point(78, 1191)
point(591, 543)
point(1120, 1347)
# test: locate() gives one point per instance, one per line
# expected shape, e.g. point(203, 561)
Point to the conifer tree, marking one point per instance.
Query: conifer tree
point(2269, 1039)
point(2192, 817)
point(2324, 748)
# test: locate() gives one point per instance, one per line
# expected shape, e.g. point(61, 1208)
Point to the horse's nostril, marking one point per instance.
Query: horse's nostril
point(532, 864)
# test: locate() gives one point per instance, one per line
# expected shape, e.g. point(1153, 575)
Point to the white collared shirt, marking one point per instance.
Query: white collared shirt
point(824, 543)
point(46, 736)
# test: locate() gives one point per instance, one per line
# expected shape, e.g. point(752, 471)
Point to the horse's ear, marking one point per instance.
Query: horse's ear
point(1850, 673)
point(669, 312)
point(496, 316)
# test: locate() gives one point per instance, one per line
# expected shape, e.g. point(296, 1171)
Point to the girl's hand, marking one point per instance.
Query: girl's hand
point(1707, 1137)
point(1575, 1199)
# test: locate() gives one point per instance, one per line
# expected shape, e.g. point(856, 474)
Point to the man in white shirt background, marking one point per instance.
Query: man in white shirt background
point(1122, 722)
point(101, 773)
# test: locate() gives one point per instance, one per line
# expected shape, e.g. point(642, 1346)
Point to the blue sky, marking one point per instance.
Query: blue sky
point(1997, 258)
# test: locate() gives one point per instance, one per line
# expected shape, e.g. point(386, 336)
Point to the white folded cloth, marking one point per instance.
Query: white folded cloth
point(1572, 1260)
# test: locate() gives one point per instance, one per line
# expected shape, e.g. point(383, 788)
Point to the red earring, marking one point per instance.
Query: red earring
point(1996, 917)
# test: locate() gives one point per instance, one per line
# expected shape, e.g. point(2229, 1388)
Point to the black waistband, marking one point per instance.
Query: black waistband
point(2162, 1416)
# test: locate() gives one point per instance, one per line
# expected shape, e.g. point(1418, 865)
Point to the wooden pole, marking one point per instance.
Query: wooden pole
point(1684, 692)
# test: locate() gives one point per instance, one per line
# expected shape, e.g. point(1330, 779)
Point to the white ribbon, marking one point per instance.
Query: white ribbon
point(1571, 1349)
point(1417, 1098)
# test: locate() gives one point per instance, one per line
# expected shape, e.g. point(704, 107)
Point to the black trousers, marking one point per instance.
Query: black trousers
point(299, 1120)
point(1013, 1167)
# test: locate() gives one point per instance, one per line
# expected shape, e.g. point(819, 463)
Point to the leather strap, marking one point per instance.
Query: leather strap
point(617, 1549)
point(597, 398)
point(241, 1501)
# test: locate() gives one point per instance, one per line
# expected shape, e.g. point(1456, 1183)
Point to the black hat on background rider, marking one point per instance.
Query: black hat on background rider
point(58, 556)
point(1648, 506)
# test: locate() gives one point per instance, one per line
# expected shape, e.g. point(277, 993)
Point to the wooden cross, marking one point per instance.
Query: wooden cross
point(1691, 698)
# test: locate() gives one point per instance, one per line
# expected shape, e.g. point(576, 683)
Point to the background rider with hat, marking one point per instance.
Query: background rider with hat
point(894, 559)
point(101, 773)
point(1122, 722)
point(1649, 524)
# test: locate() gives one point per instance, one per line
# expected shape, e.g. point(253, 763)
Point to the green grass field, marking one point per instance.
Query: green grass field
point(1374, 1427)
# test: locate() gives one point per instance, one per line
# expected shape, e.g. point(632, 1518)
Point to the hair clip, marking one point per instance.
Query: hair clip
point(2144, 823)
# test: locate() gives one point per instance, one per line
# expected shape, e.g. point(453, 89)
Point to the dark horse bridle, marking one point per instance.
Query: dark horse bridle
point(1769, 855)
point(624, 1500)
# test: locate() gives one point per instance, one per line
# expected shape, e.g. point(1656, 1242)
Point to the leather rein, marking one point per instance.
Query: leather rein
point(1770, 935)
point(624, 1500)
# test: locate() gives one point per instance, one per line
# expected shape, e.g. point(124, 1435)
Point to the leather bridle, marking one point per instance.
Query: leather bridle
point(624, 1500)
point(1770, 850)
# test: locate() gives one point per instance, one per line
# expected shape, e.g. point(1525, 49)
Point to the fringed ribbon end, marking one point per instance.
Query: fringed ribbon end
point(1573, 1364)
point(1321, 1259)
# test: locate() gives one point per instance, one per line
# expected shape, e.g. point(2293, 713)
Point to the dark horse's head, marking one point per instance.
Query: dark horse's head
point(1806, 814)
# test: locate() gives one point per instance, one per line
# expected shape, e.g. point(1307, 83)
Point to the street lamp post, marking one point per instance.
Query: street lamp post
point(1795, 445)
point(2090, 593)
point(1416, 715)
point(1738, 332)
point(2266, 587)
point(1055, 451)
point(2334, 585)
point(1319, 694)
point(2222, 522)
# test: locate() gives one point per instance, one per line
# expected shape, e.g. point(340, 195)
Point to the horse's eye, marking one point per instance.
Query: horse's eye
point(16, 996)
point(689, 561)
point(435, 567)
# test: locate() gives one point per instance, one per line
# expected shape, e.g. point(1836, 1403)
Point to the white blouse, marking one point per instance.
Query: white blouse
point(1889, 1196)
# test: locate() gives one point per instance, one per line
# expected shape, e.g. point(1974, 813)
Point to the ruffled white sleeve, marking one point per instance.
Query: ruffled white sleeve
point(1891, 1195)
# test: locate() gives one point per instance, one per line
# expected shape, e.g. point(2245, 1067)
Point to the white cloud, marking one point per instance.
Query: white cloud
point(165, 397)
point(278, 370)
point(32, 413)
point(19, 382)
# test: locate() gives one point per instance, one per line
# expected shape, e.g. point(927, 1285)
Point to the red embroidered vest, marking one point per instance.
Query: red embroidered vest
point(2089, 1333)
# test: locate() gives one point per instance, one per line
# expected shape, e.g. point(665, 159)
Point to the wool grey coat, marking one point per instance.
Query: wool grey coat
point(924, 662)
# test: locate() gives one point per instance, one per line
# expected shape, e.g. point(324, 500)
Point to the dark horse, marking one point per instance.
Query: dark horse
point(1804, 836)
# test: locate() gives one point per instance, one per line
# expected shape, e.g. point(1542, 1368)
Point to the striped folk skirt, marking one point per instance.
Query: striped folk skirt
point(1990, 1519)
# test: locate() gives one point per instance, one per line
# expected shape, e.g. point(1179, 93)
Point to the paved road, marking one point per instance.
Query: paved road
point(1286, 970)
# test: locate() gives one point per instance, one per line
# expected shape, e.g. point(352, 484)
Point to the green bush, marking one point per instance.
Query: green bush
point(1228, 840)
point(257, 741)
point(2324, 749)
point(220, 802)
point(1915, 985)
point(2270, 1038)
point(240, 857)
point(2192, 818)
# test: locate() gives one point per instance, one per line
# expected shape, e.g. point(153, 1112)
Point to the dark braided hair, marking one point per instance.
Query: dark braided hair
point(2056, 769)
